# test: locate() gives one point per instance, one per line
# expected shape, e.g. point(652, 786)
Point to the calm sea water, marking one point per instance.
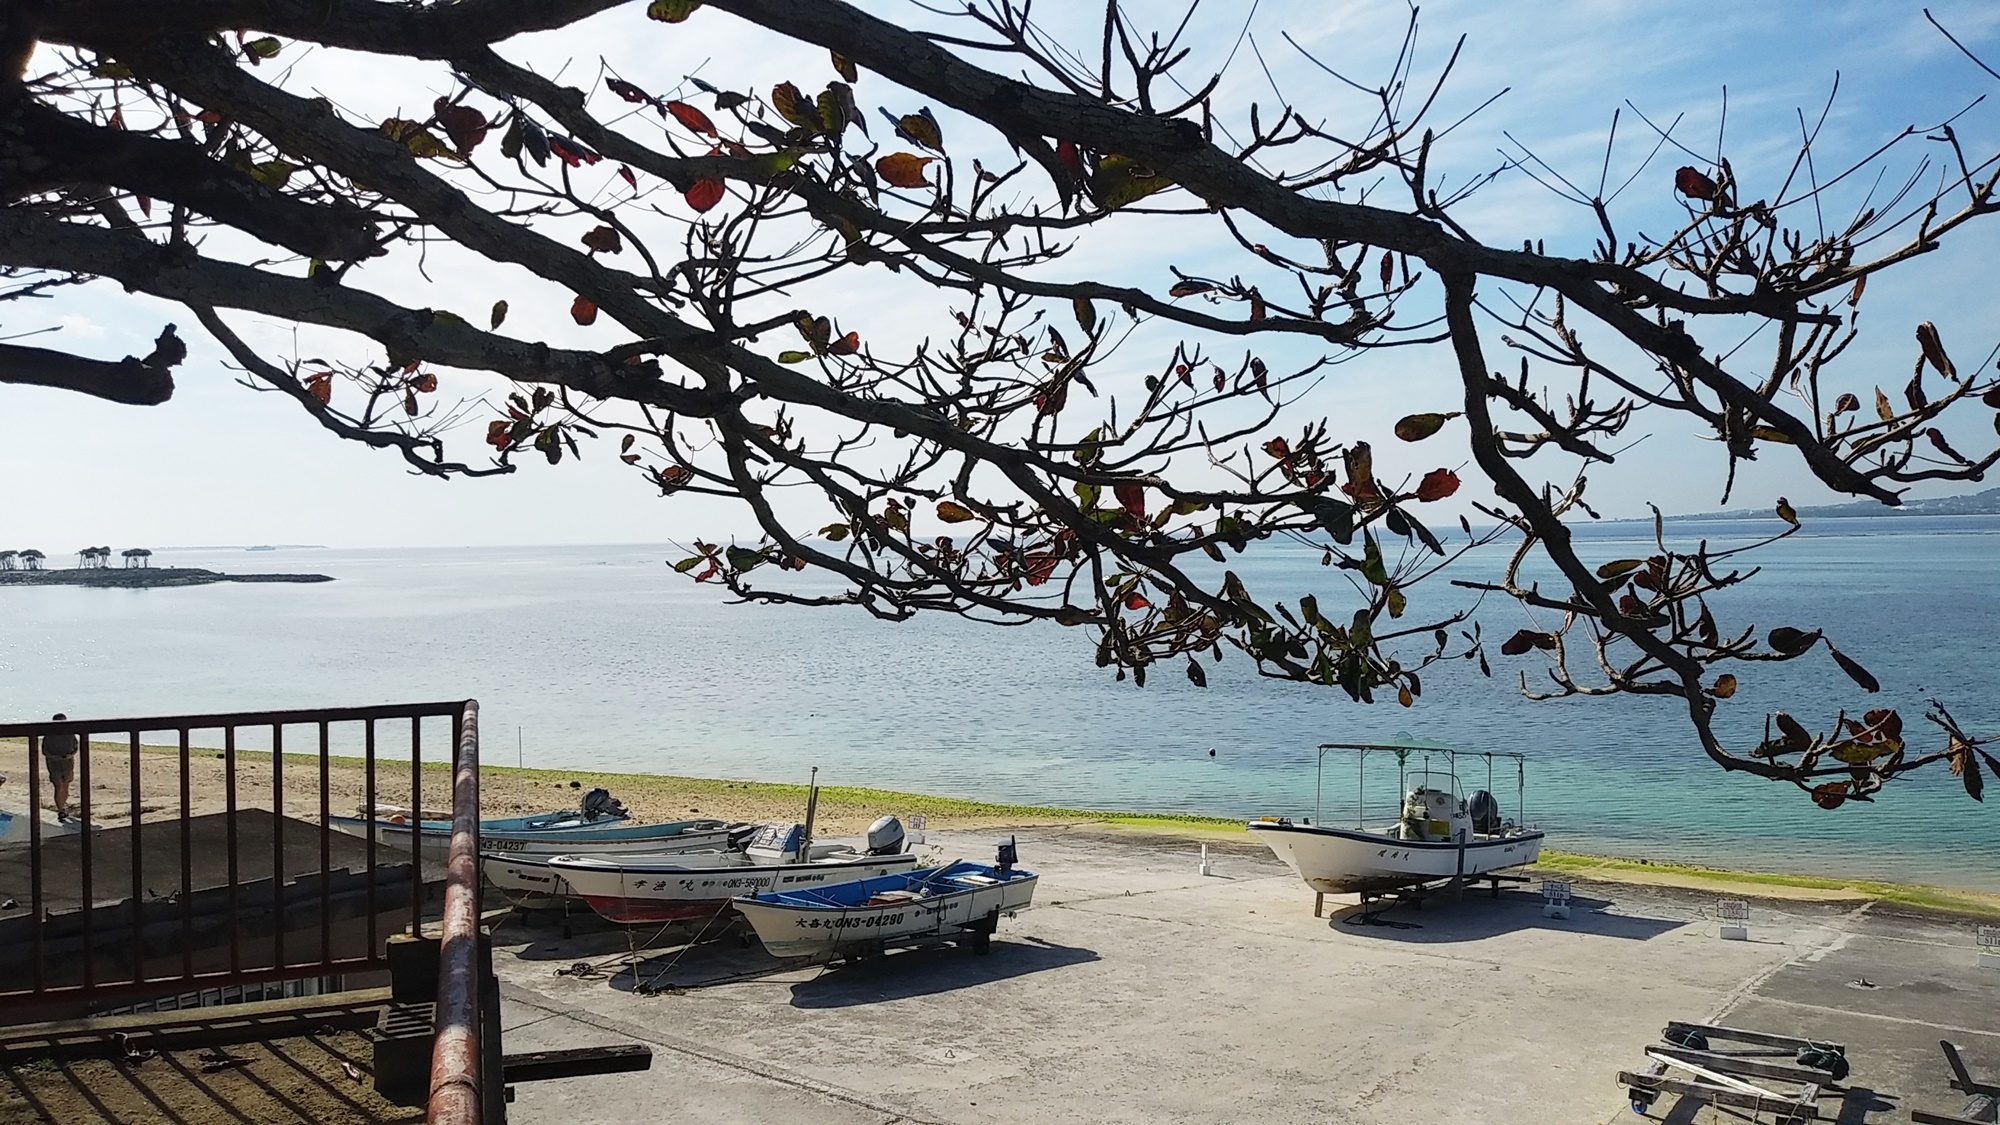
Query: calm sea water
point(606, 660)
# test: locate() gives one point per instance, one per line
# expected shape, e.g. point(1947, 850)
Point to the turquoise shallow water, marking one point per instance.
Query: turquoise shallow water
point(605, 659)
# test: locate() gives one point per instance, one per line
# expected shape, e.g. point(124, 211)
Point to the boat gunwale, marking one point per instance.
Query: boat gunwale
point(1375, 836)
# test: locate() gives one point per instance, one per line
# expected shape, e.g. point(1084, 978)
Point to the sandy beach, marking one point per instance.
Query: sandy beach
point(508, 791)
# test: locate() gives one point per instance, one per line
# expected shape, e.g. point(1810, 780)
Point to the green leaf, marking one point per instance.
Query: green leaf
point(951, 512)
point(794, 357)
point(671, 11)
point(775, 163)
point(1417, 427)
point(273, 173)
point(1371, 561)
point(690, 563)
point(265, 47)
point(1618, 567)
point(1087, 450)
point(1086, 314)
point(1394, 596)
point(1087, 494)
point(443, 317)
point(743, 560)
point(834, 531)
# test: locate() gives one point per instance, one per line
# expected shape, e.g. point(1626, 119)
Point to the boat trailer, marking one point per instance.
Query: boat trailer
point(1414, 897)
point(1748, 1077)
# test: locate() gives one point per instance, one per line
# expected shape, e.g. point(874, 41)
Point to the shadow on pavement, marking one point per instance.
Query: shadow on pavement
point(1440, 918)
point(932, 969)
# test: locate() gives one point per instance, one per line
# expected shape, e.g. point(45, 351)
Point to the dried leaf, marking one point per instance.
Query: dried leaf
point(499, 314)
point(604, 240)
point(1786, 513)
point(1725, 686)
point(1796, 736)
point(1831, 795)
point(1086, 314)
point(903, 169)
point(628, 91)
point(1846, 403)
point(1854, 670)
point(1791, 642)
point(320, 386)
point(1933, 348)
point(465, 125)
point(844, 66)
point(792, 105)
point(583, 310)
point(952, 512)
point(1882, 408)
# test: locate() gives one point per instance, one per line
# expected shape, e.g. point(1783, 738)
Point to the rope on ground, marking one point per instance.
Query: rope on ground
point(647, 987)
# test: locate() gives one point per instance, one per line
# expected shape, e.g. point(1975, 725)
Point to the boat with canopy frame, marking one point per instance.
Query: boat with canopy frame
point(1441, 834)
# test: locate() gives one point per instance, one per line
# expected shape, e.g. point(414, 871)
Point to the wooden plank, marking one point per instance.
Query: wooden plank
point(1720, 1079)
point(1755, 1038)
point(1925, 1117)
point(540, 1066)
point(1961, 1077)
point(221, 1024)
point(1717, 1095)
point(1737, 1064)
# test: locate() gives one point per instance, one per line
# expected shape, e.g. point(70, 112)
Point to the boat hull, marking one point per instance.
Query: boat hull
point(1348, 861)
point(792, 929)
point(634, 893)
point(677, 836)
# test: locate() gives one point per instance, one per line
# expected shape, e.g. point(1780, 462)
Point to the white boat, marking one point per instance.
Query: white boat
point(1440, 835)
point(871, 914)
point(631, 889)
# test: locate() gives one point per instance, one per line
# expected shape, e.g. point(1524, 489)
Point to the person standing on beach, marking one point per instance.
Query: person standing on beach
point(59, 757)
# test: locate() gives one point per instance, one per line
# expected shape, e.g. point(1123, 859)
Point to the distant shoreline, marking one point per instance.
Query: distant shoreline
point(142, 577)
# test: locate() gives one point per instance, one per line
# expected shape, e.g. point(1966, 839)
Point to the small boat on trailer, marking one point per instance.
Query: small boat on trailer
point(868, 916)
point(601, 824)
point(1440, 836)
point(633, 889)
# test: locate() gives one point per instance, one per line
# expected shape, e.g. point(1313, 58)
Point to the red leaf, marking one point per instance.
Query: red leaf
point(1278, 447)
point(704, 194)
point(626, 174)
point(1132, 498)
point(1040, 568)
point(465, 125)
point(1388, 269)
point(603, 240)
point(499, 434)
point(1691, 183)
point(571, 152)
point(845, 345)
point(1832, 795)
point(1071, 161)
point(1437, 484)
point(583, 310)
point(320, 386)
point(1136, 600)
point(691, 117)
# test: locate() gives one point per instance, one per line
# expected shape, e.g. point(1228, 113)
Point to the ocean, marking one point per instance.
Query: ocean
point(601, 658)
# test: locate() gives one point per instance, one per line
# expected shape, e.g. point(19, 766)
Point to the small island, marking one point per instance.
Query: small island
point(142, 578)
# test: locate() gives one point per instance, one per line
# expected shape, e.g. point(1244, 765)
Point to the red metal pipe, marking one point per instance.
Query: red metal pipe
point(455, 1097)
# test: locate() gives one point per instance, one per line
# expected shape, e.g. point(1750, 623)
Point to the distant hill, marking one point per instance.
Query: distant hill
point(1985, 503)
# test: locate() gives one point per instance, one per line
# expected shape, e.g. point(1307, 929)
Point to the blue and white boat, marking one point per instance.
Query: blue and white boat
point(868, 915)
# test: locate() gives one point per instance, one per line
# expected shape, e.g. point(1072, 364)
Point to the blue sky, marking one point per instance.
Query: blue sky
point(222, 464)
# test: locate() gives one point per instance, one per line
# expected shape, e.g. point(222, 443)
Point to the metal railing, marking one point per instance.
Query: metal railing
point(253, 892)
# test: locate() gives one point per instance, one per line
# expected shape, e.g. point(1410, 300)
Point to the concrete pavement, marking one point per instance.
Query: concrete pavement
point(1138, 990)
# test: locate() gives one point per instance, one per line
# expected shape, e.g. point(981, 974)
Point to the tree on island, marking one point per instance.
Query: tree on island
point(31, 559)
point(139, 553)
point(7, 559)
point(1017, 437)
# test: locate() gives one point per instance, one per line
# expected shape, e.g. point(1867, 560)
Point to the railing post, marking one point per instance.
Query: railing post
point(458, 1096)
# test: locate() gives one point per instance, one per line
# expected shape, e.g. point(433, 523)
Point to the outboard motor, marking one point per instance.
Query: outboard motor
point(885, 836)
point(1005, 857)
point(1485, 812)
point(599, 804)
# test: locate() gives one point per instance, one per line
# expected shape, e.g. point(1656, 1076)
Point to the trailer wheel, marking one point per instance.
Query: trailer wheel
point(982, 941)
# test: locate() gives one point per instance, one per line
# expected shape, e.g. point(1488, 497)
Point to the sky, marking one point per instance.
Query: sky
point(223, 464)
